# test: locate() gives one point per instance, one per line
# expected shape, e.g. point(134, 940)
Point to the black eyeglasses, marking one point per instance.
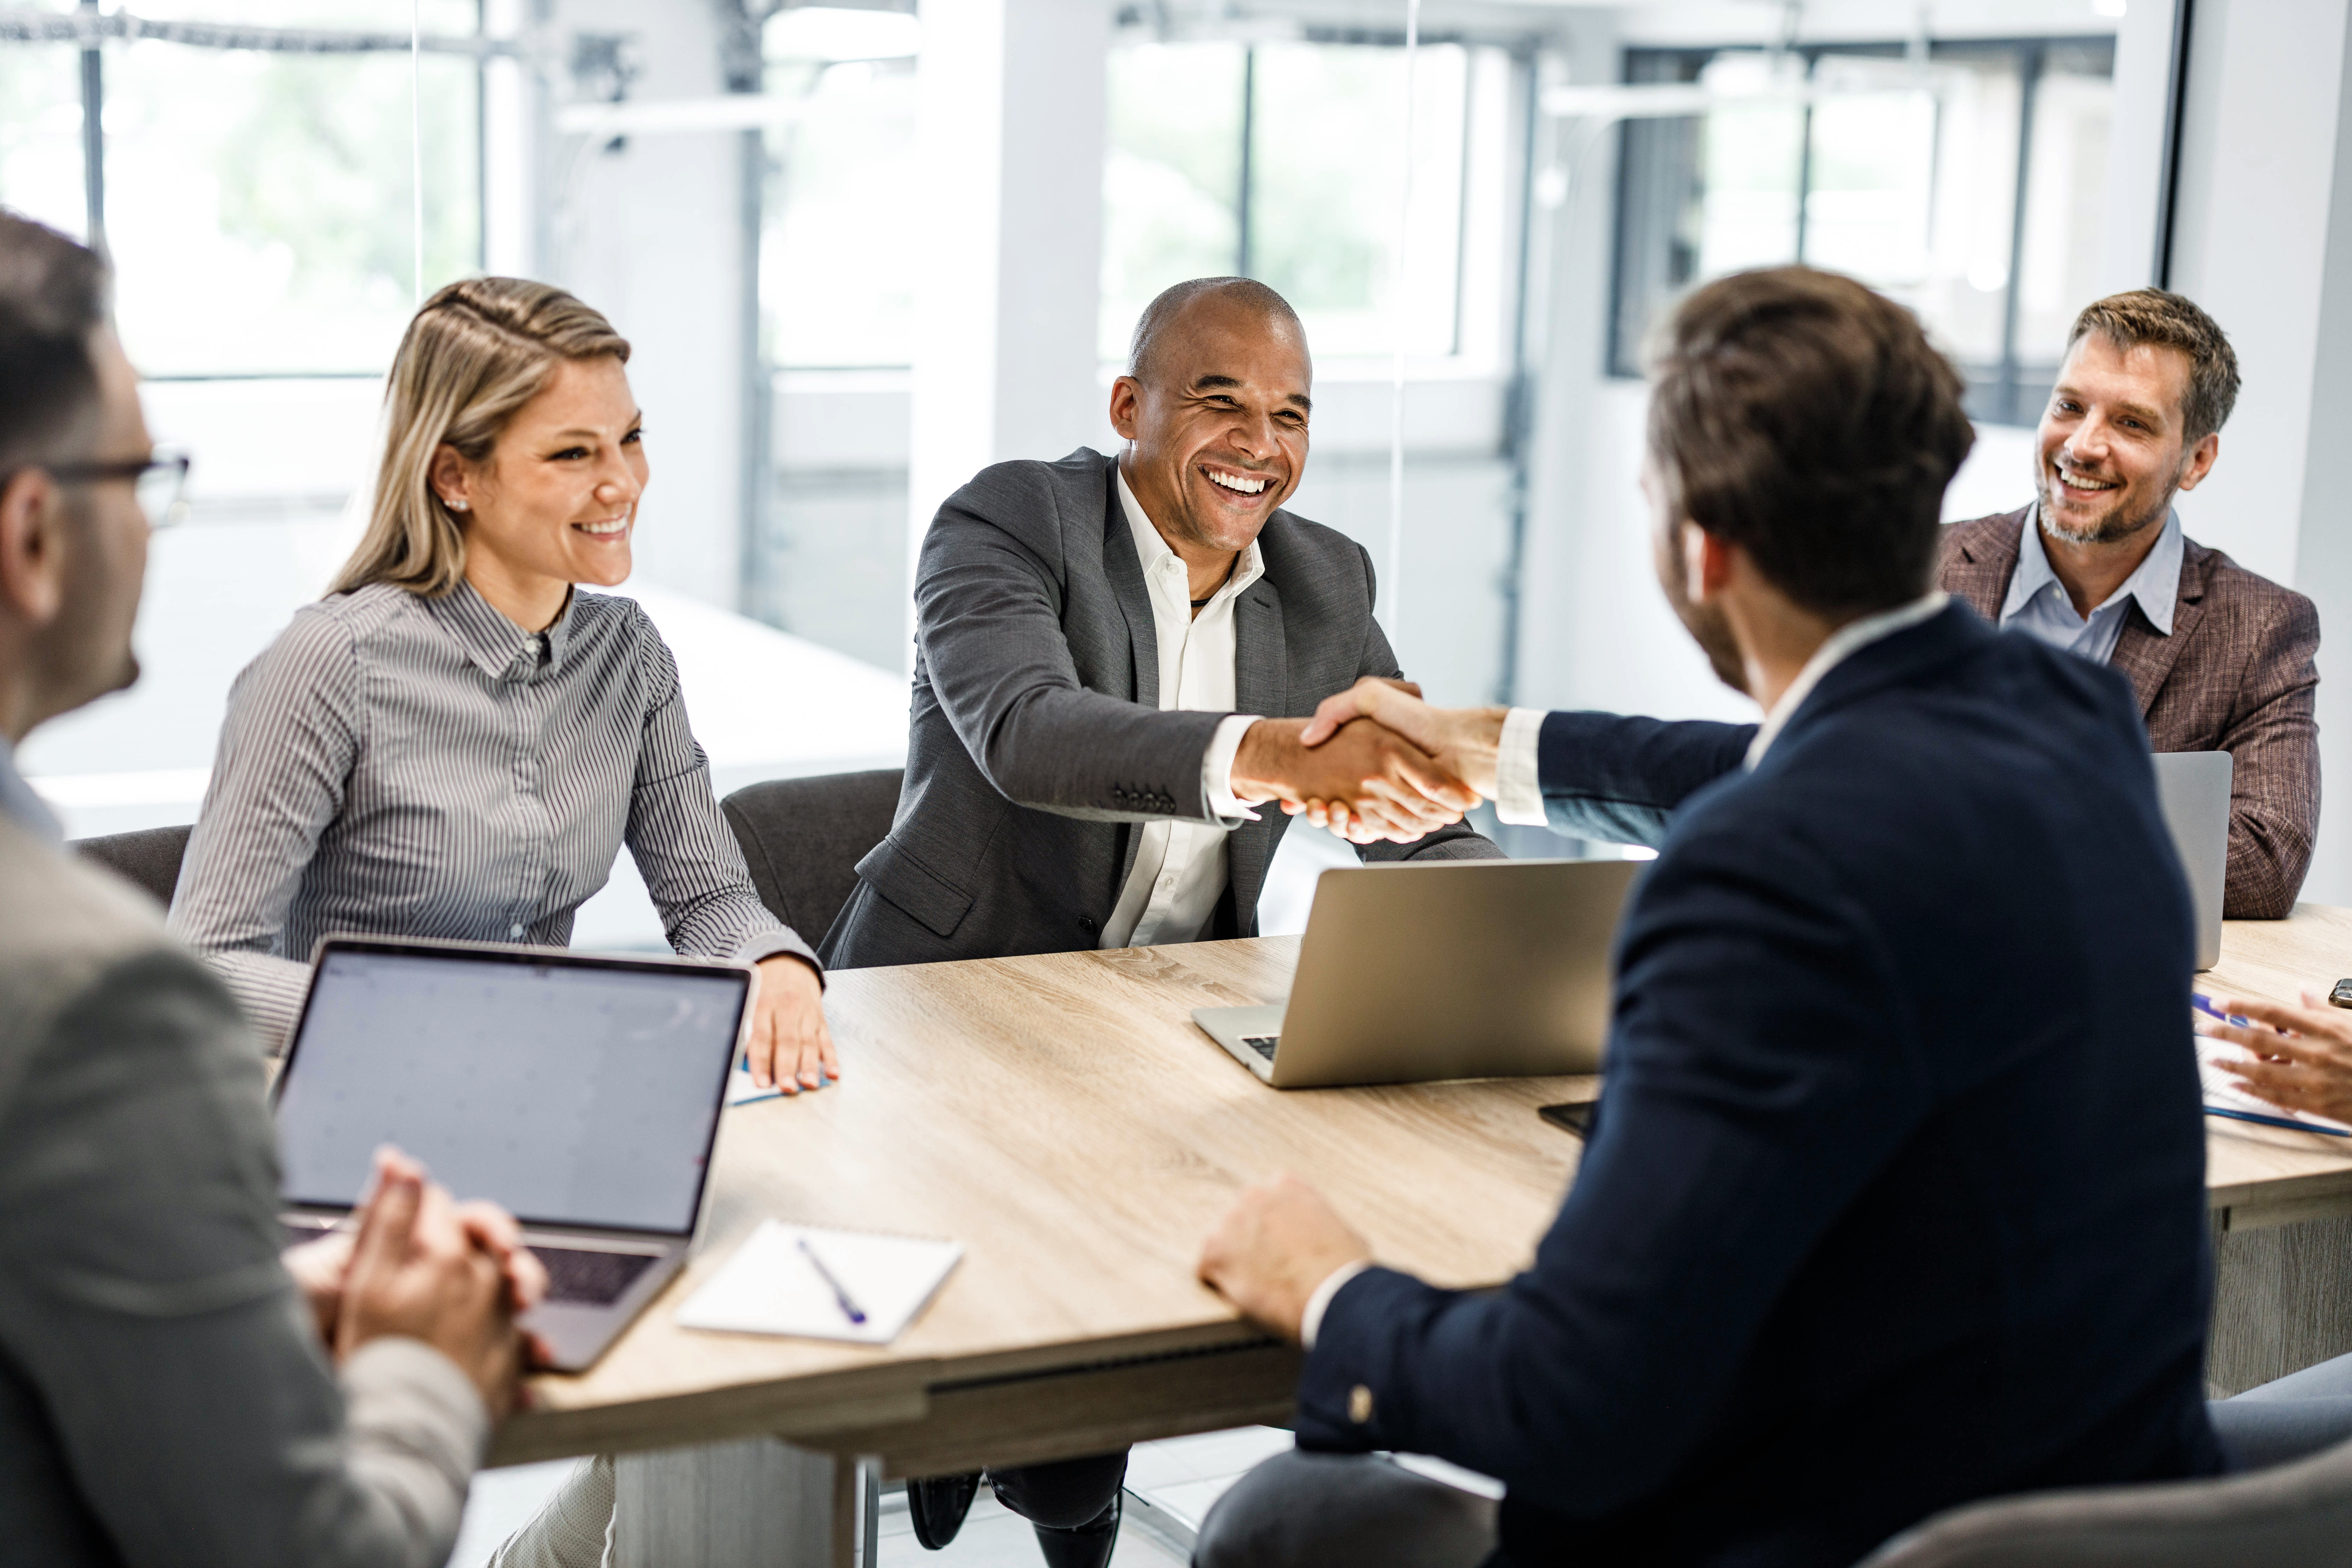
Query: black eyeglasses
point(161, 480)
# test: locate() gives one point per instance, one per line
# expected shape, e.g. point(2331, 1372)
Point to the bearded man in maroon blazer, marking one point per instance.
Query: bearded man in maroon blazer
point(2221, 660)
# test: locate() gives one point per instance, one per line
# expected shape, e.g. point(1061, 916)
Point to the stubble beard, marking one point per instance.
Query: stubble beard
point(2115, 526)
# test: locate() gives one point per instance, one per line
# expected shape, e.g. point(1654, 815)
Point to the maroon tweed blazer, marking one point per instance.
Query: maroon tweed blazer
point(2237, 675)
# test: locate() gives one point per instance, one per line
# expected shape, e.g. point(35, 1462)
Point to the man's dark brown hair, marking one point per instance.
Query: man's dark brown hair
point(2157, 317)
point(1797, 414)
point(52, 294)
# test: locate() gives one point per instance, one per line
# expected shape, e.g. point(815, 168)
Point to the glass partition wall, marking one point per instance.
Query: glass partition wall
point(1966, 182)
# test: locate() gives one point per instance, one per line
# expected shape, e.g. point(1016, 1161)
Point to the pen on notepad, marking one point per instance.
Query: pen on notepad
point(849, 1307)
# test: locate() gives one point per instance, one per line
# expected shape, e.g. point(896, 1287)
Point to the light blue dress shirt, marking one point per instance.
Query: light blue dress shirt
point(2038, 602)
point(18, 800)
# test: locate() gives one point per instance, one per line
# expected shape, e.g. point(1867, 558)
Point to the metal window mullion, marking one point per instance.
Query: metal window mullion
point(1518, 402)
point(1245, 178)
point(1805, 165)
point(2029, 81)
point(93, 139)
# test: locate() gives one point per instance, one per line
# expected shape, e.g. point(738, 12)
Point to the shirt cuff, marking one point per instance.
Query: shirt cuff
point(1217, 771)
point(1518, 784)
point(1310, 1321)
point(778, 942)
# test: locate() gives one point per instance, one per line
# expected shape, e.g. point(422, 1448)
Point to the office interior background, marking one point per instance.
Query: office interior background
point(864, 250)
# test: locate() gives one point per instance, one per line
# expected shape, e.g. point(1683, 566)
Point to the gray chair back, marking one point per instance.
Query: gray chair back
point(149, 858)
point(803, 838)
point(2299, 1513)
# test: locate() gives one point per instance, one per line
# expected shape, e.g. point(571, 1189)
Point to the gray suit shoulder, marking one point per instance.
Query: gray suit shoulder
point(1288, 539)
point(1040, 504)
point(64, 925)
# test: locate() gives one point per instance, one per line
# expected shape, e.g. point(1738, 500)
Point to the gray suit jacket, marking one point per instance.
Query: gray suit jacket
point(163, 1397)
point(1037, 743)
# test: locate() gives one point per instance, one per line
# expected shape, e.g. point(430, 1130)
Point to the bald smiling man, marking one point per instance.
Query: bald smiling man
point(1114, 659)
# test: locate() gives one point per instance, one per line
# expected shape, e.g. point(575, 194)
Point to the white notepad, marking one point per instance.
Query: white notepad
point(770, 1287)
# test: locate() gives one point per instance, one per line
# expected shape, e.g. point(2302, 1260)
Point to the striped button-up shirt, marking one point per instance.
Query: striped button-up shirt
point(395, 765)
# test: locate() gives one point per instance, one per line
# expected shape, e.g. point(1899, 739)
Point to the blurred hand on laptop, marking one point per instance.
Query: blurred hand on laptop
point(416, 1264)
point(2302, 1057)
point(791, 1048)
point(1460, 742)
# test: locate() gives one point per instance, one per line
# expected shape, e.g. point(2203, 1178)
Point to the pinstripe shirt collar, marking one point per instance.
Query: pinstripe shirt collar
point(499, 647)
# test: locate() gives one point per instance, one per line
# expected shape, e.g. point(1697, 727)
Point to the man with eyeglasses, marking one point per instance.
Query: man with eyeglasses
point(171, 1389)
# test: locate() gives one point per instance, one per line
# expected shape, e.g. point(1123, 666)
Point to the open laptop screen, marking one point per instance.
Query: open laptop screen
point(572, 1091)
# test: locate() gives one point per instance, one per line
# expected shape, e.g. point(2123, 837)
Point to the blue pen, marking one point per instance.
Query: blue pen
point(2198, 999)
point(849, 1308)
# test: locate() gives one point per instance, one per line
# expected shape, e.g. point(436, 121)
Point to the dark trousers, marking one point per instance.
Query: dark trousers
point(1068, 1494)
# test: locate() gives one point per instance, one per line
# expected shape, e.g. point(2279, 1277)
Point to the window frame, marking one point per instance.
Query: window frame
point(86, 30)
point(2002, 390)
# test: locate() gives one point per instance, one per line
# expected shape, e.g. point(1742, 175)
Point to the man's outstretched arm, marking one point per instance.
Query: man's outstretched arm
point(1588, 775)
point(990, 634)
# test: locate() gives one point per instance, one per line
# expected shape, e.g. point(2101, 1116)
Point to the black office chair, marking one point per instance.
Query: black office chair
point(803, 838)
point(148, 857)
point(2299, 1513)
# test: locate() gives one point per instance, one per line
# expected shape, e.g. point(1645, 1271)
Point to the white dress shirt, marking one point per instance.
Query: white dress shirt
point(1180, 867)
point(2038, 604)
point(1518, 793)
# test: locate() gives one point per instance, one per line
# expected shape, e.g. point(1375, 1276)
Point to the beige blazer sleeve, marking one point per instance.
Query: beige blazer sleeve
point(156, 1363)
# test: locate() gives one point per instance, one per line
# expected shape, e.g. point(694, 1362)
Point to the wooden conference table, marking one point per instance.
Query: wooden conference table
point(1061, 1117)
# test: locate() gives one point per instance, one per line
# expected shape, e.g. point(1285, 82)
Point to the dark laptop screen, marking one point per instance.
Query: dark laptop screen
point(570, 1092)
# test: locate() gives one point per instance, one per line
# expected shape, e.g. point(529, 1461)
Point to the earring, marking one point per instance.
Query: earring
point(455, 506)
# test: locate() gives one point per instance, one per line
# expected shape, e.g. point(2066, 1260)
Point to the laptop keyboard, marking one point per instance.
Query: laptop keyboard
point(591, 1278)
point(1261, 1044)
point(594, 1278)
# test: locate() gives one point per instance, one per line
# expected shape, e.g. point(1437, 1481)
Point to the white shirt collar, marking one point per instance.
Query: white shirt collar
point(1844, 643)
point(2155, 582)
point(1151, 549)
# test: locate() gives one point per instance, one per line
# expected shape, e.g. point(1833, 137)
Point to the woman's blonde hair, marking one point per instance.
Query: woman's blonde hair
point(476, 353)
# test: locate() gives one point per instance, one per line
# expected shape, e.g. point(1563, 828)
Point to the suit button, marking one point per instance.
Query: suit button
point(1359, 1405)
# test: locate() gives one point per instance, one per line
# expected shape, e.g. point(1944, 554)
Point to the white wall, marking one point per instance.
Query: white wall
point(2264, 243)
point(1010, 193)
point(652, 236)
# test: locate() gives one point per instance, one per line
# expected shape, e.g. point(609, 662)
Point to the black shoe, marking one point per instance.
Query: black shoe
point(1088, 1546)
point(936, 1508)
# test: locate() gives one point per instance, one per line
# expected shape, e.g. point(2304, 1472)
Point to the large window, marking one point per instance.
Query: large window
point(1966, 184)
point(838, 252)
point(244, 168)
point(1285, 161)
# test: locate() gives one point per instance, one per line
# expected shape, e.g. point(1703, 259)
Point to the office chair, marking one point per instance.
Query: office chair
point(148, 857)
point(803, 838)
point(2299, 1513)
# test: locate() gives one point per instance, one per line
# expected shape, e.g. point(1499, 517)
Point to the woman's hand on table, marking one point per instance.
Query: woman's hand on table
point(2302, 1057)
point(791, 1048)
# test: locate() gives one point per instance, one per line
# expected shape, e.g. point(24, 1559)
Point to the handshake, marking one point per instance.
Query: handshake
point(1375, 762)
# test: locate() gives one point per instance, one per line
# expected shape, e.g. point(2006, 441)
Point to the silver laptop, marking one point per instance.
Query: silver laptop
point(2193, 789)
point(1449, 969)
point(583, 1093)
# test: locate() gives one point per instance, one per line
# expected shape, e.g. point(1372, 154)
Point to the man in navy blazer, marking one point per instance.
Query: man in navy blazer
point(1897, 1196)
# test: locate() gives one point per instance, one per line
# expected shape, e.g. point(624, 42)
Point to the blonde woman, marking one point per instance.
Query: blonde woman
point(458, 739)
